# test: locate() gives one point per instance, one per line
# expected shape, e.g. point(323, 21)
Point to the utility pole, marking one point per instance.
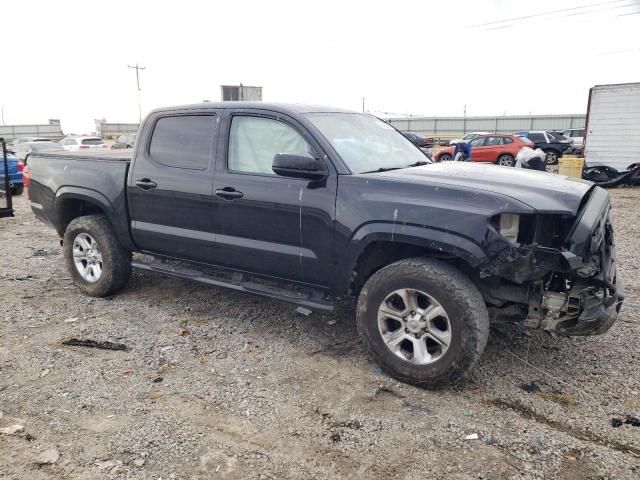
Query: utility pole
point(464, 121)
point(138, 68)
point(2, 115)
point(362, 104)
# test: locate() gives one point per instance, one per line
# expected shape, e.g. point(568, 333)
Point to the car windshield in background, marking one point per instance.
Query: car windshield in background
point(366, 143)
point(92, 141)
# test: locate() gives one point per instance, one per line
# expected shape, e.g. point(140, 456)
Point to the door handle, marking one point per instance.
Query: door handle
point(229, 193)
point(146, 184)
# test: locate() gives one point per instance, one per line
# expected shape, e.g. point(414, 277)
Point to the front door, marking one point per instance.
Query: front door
point(272, 225)
point(170, 187)
point(477, 149)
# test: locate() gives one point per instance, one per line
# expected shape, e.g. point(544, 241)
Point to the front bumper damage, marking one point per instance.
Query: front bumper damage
point(575, 290)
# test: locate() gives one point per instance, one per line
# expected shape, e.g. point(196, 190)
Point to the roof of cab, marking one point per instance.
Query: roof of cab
point(287, 108)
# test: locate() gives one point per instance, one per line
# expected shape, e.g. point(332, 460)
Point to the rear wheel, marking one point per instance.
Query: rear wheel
point(506, 160)
point(445, 157)
point(97, 262)
point(423, 321)
point(551, 157)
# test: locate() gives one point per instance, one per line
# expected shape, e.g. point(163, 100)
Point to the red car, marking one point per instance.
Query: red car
point(494, 148)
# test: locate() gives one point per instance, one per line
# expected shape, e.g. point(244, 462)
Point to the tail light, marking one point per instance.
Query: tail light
point(82, 147)
point(20, 166)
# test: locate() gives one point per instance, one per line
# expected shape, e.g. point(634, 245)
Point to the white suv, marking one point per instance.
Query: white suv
point(468, 137)
point(82, 143)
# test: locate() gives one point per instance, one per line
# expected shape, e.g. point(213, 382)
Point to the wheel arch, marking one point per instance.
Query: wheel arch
point(378, 245)
point(73, 202)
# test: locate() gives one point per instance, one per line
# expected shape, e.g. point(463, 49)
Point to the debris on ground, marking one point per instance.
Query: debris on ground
point(72, 320)
point(12, 429)
point(138, 462)
point(628, 420)
point(183, 331)
point(473, 436)
point(106, 345)
point(48, 457)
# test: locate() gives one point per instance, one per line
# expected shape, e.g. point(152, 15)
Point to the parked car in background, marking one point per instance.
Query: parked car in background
point(25, 149)
point(468, 137)
point(18, 141)
point(418, 140)
point(124, 141)
point(14, 172)
point(554, 145)
point(492, 148)
point(82, 143)
point(576, 135)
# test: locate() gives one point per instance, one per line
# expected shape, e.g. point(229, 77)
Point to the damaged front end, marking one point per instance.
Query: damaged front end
point(559, 274)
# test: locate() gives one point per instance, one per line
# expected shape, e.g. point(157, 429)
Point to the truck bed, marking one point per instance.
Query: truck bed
point(59, 178)
point(123, 155)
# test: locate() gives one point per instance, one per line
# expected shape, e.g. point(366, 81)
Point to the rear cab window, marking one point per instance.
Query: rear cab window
point(183, 141)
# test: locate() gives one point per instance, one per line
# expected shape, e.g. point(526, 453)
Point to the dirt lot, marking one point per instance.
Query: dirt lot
point(220, 385)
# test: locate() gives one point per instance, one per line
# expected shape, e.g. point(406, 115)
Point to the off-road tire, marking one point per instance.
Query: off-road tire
point(116, 260)
point(460, 298)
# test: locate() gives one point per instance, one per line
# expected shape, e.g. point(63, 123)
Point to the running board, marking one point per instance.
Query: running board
point(312, 300)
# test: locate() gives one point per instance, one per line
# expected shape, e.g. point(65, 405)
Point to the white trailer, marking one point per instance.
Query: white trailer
point(613, 126)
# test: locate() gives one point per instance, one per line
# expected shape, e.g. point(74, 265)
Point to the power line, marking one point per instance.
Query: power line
point(550, 12)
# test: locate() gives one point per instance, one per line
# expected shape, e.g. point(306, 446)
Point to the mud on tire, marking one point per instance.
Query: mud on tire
point(116, 260)
point(465, 310)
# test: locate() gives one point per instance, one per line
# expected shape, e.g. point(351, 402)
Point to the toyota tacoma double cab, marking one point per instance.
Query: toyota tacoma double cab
point(309, 205)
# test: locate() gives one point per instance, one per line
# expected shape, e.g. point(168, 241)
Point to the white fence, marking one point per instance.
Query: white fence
point(9, 132)
point(458, 126)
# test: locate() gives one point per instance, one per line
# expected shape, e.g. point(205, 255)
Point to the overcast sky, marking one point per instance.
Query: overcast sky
point(68, 59)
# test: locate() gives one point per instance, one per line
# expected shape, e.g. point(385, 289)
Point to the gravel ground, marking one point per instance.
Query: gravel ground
point(215, 384)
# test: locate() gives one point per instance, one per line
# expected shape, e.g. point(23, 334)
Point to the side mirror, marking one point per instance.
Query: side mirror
point(298, 165)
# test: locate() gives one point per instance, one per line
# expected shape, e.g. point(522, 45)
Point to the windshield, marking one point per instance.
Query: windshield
point(366, 143)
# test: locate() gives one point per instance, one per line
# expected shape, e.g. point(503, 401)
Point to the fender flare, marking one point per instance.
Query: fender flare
point(432, 238)
point(118, 221)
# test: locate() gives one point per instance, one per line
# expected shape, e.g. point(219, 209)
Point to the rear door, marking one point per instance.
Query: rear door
point(272, 225)
point(170, 186)
point(492, 148)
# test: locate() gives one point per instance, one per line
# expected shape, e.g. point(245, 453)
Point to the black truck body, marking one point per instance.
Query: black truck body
point(326, 228)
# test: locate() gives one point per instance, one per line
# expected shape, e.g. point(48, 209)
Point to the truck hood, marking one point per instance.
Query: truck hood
point(545, 192)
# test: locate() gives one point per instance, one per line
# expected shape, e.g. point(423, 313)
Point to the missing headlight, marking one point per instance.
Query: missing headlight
point(509, 226)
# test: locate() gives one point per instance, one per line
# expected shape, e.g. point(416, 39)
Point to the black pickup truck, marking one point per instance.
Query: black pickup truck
point(310, 205)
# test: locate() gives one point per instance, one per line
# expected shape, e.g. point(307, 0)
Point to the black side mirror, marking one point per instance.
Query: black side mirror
point(298, 165)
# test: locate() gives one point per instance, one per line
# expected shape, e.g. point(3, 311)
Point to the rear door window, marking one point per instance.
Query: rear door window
point(506, 140)
point(491, 141)
point(183, 141)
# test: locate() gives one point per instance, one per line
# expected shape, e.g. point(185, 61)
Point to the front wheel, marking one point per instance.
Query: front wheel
point(423, 321)
point(506, 161)
point(97, 262)
point(445, 157)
